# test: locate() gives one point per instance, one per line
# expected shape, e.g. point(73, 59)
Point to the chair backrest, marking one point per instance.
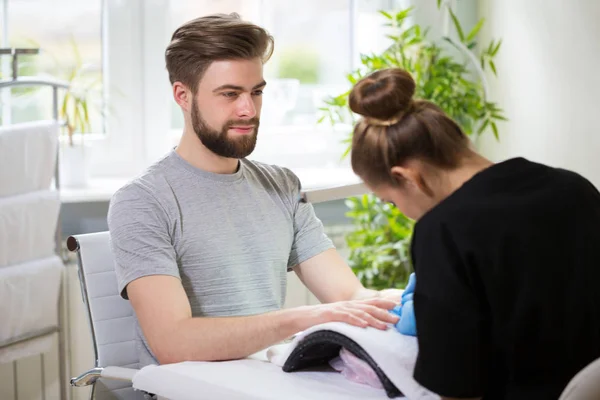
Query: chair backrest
point(111, 318)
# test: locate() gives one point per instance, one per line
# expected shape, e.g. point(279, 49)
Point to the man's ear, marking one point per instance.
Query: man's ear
point(409, 175)
point(182, 96)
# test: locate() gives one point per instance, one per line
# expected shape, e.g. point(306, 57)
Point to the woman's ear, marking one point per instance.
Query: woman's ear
point(410, 175)
point(400, 174)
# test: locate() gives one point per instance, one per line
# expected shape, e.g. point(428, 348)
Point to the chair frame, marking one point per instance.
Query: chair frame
point(92, 375)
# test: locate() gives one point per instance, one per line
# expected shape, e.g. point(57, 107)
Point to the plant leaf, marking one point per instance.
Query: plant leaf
point(496, 48)
point(483, 126)
point(495, 130)
point(459, 30)
point(475, 30)
point(346, 152)
point(493, 67)
point(386, 14)
point(86, 115)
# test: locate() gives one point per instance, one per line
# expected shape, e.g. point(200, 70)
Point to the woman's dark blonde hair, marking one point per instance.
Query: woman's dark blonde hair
point(198, 43)
point(396, 128)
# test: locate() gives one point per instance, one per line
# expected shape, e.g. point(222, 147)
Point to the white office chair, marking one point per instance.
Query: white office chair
point(111, 320)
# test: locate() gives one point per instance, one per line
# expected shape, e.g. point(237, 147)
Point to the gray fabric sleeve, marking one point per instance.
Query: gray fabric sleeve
point(309, 235)
point(140, 239)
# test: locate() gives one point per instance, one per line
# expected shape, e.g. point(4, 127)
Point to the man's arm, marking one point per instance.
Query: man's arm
point(164, 313)
point(165, 316)
point(330, 279)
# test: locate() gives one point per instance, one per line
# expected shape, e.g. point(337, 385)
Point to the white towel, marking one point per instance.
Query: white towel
point(28, 226)
point(33, 347)
point(29, 297)
point(394, 353)
point(27, 157)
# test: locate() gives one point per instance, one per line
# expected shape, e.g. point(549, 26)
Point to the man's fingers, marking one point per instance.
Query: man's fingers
point(374, 322)
point(352, 319)
point(381, 303)
point(380, 314)
point(363, 313)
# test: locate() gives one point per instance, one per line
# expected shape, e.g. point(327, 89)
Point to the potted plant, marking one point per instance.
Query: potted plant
point(379, 243)
point(74, 112)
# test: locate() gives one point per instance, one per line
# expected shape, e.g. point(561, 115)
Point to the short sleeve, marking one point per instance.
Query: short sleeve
point(139, 237)
point(452, 328)
point(309, 235)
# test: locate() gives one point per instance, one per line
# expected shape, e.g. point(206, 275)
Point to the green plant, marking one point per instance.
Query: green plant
point(379, 244)
point(76, 103)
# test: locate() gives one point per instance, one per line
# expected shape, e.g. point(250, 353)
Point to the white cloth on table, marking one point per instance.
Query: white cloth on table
point(248, 379)
point(394, 353)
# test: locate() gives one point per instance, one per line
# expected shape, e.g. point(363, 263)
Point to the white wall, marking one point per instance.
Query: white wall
point(548, 81)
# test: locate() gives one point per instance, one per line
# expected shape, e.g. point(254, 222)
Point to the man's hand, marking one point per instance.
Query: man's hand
point(394, 295)
point(362, 313)
point(165, 316)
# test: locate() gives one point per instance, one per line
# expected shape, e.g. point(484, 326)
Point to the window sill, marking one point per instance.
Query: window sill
point(101, 190)
point(97, 190)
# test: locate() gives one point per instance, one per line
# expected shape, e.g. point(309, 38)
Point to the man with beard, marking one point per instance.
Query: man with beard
point(204, 238)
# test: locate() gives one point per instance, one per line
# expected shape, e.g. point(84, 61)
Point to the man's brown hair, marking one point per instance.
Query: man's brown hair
point(199, 42)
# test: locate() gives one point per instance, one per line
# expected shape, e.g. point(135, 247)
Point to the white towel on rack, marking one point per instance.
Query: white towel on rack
point(27, 156)
point(33, 347)
point(29, 295)
point(28, 226)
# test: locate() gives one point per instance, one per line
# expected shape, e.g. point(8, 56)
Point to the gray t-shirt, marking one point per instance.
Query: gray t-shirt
point(230, 238)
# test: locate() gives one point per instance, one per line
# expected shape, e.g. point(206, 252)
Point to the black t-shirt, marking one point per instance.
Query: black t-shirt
point(507, 300)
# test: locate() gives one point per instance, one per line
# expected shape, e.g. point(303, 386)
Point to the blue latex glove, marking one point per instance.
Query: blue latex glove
point(407, 324)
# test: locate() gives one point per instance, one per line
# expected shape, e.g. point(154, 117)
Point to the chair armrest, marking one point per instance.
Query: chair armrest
point(115, 373)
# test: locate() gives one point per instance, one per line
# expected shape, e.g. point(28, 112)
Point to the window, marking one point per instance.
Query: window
point(68, 34)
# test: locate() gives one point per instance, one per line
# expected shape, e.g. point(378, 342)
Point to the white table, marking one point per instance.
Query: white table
point(254, 378)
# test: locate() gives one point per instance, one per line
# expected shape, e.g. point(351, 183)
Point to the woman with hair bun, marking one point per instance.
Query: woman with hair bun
point(506, 254)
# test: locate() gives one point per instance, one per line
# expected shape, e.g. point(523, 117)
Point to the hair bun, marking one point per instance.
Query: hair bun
point(383, 95)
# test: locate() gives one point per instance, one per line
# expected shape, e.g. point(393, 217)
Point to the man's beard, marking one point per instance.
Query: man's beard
point(219, 142)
